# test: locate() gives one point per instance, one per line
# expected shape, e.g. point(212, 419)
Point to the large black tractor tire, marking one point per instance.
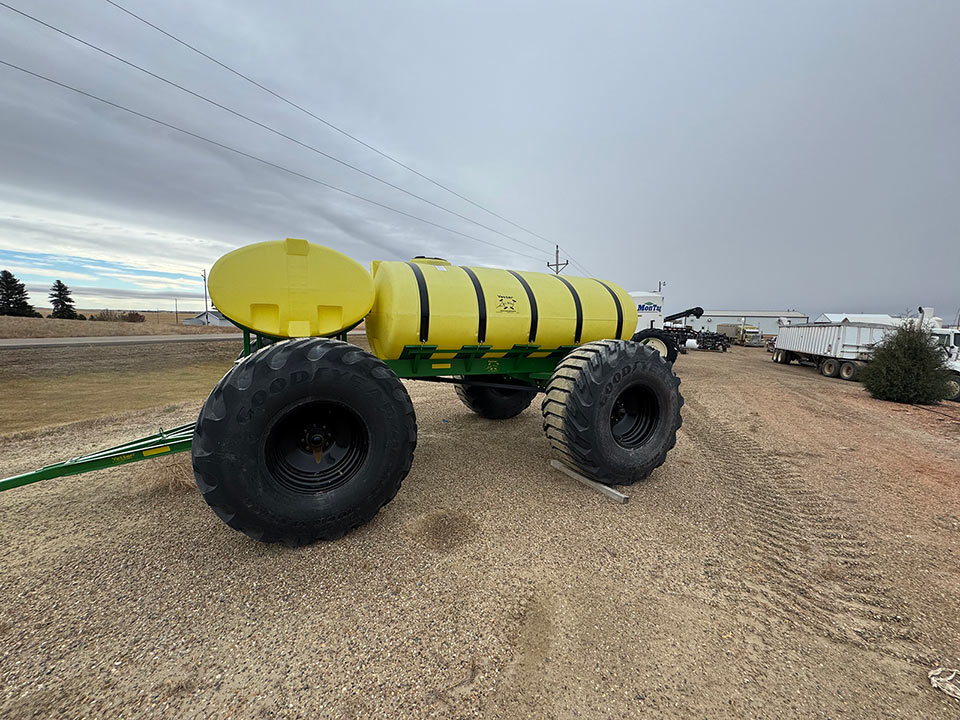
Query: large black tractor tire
point(659, 341)
point(303, 441)
point(612, 410)
point(496, 403)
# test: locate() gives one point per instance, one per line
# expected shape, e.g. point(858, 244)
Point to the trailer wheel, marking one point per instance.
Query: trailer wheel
point(659, 341)
point(612, 410)
point(303, 441)
point(496, 403)
point(849, 370)
point(953, 388)
point(830, 368)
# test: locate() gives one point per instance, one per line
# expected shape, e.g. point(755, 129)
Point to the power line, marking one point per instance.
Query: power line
point(329, 124)
point(343, 132)
point(262, 125)
point(262, 160)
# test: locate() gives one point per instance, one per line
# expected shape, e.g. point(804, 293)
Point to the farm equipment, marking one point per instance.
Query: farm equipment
point(653, 329)
point(681, 333)
point(712, 341)
point(308, 436)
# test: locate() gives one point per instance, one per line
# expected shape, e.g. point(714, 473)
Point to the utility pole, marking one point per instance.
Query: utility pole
point(206, 317)
point(557, 266)
point(176, 312)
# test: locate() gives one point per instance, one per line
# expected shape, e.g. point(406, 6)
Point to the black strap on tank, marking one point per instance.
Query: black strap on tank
point(481, 305)
point(531, 298)
point(616, 301)
point(424, 302)
point(576, 301)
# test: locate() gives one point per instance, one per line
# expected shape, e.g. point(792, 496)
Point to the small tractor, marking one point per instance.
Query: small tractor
point(308, 436)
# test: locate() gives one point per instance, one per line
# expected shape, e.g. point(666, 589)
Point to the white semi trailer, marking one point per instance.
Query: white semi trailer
point(839, 349)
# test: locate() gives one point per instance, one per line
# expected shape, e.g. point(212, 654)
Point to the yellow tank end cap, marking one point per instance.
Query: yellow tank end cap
point(291, 288)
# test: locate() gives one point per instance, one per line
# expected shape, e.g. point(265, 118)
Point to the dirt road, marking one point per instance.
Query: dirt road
point(795, 558)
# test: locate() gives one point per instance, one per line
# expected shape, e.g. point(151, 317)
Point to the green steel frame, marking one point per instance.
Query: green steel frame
point(416, 362)
point(422, 361)
point(165, 442)
point(427, 361)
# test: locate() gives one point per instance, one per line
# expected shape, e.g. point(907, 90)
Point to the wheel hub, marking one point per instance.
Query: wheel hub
point(316, 447)
point(635, 416)
point(656, 344)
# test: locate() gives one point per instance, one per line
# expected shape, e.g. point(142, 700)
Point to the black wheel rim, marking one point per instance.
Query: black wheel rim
point(316, 447)
point(635, 416)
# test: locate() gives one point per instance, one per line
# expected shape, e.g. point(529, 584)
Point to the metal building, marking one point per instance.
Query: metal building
point(767, 320)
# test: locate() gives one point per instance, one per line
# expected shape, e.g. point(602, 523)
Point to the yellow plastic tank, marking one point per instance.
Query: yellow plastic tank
point(291, 288)
point(430, 302)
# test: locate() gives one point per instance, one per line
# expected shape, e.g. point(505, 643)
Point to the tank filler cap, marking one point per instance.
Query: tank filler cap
point(424, 260)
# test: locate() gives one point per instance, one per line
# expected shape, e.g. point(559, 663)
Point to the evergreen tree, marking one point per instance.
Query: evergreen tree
point(62, 302)
point(13, 296)
point(907, 367)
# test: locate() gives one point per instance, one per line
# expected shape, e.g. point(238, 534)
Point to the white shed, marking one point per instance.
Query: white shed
point(209, 317)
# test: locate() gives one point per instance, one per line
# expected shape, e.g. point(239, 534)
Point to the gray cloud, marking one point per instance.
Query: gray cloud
point(752, 155)
point(81, 292)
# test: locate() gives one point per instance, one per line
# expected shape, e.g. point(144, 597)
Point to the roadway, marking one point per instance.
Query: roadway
point(19, 343)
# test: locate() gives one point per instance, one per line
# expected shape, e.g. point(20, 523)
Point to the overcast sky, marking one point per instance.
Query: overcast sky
point(753, 155)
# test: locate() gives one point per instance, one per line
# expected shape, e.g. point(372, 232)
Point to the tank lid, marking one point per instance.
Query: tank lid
point(424, 260)
point(291, 288)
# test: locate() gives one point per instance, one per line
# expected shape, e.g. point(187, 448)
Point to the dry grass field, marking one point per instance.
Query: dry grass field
point(155, 324)
point(794, 558)
point(52, 386)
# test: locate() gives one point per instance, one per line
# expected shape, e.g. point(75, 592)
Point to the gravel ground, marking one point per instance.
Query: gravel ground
point(794, 558)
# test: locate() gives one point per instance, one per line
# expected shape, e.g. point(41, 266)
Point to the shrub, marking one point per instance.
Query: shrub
point(133, 317)
point(907, 367)
point(107, 316)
